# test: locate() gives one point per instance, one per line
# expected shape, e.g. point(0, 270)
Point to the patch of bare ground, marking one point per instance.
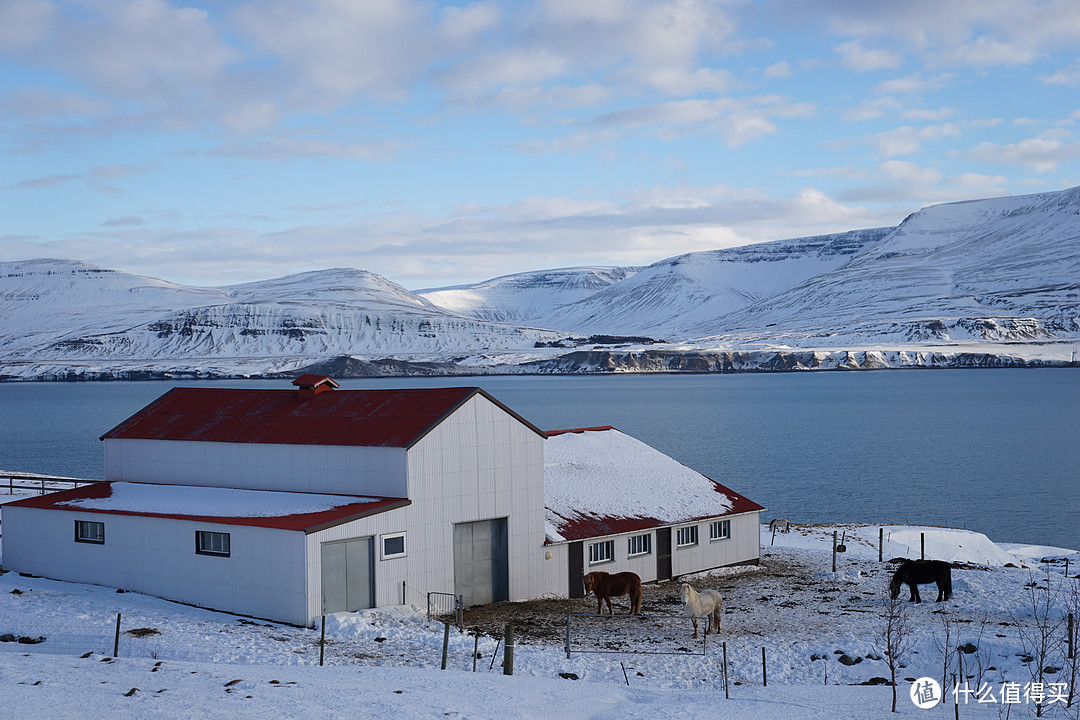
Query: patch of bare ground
point(786, 585)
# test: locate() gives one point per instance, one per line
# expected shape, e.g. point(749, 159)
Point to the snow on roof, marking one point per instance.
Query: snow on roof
point(211, 501)
point(305, 512)
point(599, 481)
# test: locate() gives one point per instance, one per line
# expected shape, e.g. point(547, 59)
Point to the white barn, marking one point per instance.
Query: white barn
point(290, 504)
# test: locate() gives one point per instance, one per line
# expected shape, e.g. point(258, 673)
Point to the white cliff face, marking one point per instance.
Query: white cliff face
point(984, 279)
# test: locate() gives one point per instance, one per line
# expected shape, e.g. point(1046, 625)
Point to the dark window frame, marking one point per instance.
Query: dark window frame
point(682, 533)
point(604, 552)
point(724, 526)
point(85, 538)
point(644, 540)
point(200, 547)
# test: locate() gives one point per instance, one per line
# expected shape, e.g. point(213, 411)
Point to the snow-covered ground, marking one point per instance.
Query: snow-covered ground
point(385, 663)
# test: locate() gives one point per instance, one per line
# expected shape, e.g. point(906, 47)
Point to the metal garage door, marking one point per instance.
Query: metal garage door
point(348, 576)
point(481, 562)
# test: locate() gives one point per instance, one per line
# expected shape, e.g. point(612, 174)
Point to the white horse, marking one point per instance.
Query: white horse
point(780, 524)
point(706, 603)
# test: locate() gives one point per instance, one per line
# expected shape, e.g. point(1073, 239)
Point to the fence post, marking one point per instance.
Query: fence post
point(116, 642)
point(1070, 634)
point(508, 651)
point(922, 546)
point(403, 592)
point(445, 643)
point(475, 649)
point(322, 641)
point(834, 551)
point(764, 675)
point(725, 672)
point(880, 542)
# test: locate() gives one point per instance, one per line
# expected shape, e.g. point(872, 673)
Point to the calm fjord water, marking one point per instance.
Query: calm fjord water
point(996, 451)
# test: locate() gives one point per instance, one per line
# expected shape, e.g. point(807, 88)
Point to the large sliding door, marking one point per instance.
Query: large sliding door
point(481, 561)
point(348, 575)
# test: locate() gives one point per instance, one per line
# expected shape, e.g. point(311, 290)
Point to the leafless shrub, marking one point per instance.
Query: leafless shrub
point(894, 639)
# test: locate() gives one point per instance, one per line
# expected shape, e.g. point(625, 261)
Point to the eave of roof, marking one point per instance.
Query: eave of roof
point(300, 522)
point(586, 526)
point(366, 418)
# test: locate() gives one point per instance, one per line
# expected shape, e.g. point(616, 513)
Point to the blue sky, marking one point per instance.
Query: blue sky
point(212, 143)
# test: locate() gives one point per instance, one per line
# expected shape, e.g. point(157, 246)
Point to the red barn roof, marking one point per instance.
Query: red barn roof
point(369, 418)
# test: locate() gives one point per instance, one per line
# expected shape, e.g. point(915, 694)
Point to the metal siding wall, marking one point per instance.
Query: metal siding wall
point(480, 463)
point(337, 469)
point(743, 545)
point(263, 576)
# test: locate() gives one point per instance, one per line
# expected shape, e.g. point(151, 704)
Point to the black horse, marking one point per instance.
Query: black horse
point(920, 572)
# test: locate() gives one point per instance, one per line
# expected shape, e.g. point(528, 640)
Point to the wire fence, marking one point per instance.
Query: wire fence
point(633, 634)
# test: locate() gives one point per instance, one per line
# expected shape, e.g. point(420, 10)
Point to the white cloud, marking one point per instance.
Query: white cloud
point(1068, 75)
point(856, 57)
point(915, 83)
point(736, 120)
point(778, 71)
point(907, 139)
point(23, 23)
point(910, 172)
point(472, 242)
point(873, 109)
point(338, 49)
point(1042, 153)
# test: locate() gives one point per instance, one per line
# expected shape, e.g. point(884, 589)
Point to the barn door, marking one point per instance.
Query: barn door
point(348, 569)
point(576, 557)
point(481, 562)
point(663, 554)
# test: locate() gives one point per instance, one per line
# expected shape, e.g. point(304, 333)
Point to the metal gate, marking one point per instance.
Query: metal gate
point(348, 575)
point(481, 561)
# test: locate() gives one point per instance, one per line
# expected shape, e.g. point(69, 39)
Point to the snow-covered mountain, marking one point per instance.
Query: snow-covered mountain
point(981, 283)
point(526, 298)
point(1001, 269)
point(673, 297)
point(63, 312)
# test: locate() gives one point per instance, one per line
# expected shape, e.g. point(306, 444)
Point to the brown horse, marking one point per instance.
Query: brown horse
point(605, 586)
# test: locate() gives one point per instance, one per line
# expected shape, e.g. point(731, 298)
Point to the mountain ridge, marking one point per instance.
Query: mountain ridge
point(977, 283)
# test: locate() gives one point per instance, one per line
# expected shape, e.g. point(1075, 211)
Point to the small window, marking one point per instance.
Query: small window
point(393, 546)
point(686, 536)
point(720, 530)
point(640, 545)
point(88, 531)
point(212, 543)
point(602, 552)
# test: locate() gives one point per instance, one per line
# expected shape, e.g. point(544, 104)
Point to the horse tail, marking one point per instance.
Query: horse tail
point(635, 598)
point(897, 581)
point(948, 582)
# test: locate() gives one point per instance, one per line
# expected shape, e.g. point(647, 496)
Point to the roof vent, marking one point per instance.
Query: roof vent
point(312, 385)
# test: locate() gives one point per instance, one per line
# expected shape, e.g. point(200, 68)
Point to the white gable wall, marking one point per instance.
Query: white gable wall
point(337, 469)
point(478, 464)
point(263, 576)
